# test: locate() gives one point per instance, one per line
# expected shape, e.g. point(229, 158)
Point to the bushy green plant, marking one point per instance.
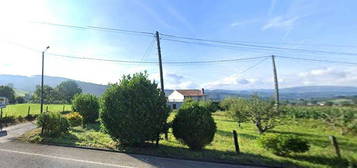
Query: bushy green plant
point(87, 106)
point(134, 110)
point(342, 118)
point(194, 126)
point(211, 106)
point(75, 119)
point(53, 124)
point(238, 110)
point(284, 144)
point(261, 113)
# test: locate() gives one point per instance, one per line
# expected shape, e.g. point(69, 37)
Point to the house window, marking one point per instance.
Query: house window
point(173, 106)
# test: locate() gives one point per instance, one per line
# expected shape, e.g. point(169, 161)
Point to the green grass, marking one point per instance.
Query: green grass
point(321, 153)
point(22, 109)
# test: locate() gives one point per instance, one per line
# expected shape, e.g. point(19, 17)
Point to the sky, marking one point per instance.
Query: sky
point(326, 25)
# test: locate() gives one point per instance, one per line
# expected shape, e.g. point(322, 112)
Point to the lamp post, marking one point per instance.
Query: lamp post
point(43, 59)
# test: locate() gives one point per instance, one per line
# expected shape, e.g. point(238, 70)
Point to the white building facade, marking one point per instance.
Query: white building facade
point(176, 98)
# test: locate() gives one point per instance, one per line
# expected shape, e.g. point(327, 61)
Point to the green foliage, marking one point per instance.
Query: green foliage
point(8, 92)
point(88, 107)
point(194, 126)
point(211, 106)
point(134, 111)
point(342, 118)
point(75, 119)
point(284, 144)
point(50, 95)
point(261, 113)
point(238, 110)
point(227, 102)
point(53, 124)
point(20, 99)
point(67, 90)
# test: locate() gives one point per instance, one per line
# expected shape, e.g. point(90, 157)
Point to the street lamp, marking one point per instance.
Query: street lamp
point(43, 59)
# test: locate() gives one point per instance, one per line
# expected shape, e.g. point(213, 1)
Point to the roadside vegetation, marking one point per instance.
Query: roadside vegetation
point(133, 117)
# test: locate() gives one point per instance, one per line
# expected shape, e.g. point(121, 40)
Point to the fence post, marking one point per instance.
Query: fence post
point(335, 145)
point(46, 109)
point(235, 137)
point(28, 111)
point(63, 109)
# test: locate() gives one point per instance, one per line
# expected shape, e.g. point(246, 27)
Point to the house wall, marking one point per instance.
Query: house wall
point(176, 97)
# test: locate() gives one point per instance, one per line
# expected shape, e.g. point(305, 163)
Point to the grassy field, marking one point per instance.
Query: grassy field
point(22, 109)
point(321, 153)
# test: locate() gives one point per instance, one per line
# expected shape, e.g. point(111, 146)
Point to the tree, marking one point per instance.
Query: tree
point(50, 95)
point(134, 110)
point(88, 107)
point(193, 125)
point(261, 113)
point(20, 99)
point(9, 93)
point(68, 89)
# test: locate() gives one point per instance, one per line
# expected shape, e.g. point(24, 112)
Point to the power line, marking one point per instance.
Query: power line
point(257, 46)
point(253, 66)
point(239, 43)
point(318, 60)
point(106, 29)
point(148, 49)
point(155, 62)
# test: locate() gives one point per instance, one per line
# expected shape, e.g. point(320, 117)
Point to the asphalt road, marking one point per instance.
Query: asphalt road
point(15, 154)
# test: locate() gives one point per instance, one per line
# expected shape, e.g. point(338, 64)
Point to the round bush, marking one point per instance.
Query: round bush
point(134, 111)
point(194, 126)
point(75, 119)
point(53, 124)
point(88, 107)
point(284, 144)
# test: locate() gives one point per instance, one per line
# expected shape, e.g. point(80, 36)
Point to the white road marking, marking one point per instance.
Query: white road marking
point(63, 158)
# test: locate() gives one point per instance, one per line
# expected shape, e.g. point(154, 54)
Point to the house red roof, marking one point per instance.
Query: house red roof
point(191, 92)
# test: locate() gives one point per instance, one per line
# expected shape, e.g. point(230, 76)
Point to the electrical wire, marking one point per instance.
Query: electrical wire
point(257, 46)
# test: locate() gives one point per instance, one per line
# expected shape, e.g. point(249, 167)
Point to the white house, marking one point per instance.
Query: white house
point(177, 97)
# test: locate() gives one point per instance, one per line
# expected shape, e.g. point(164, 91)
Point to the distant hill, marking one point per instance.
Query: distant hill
point(302, 92)
point(25, 84)
point(28, 83)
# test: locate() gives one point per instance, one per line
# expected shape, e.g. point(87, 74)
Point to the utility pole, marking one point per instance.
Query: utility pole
point(160, 62)
point(43, 64)
point(276, 83)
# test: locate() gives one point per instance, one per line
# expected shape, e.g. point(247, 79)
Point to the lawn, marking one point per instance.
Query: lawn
point(321, 153)
point(22, 109)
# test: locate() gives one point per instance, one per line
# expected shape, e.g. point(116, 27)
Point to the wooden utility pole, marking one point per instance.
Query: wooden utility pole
point(161, 77)
point(160, 62)
point(276, 83)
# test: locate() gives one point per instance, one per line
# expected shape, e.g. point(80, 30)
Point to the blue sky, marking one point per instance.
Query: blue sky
point(301, 24)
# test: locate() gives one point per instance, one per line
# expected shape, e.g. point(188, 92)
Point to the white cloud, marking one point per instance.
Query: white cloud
point(281, 22)
point(234, 81)
point(175, 81)
point(244, 22)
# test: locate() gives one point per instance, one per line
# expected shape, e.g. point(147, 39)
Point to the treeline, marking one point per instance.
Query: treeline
point(61, 94)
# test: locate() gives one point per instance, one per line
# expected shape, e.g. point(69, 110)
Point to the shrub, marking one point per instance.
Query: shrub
point(53, 124)
point(194, 126)
point(211, 106)
point(88, 107)
point(284, 144)
point(134, 110)
point(75, 119)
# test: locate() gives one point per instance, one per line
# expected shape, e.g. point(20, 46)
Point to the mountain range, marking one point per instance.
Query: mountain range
point(27, 84)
